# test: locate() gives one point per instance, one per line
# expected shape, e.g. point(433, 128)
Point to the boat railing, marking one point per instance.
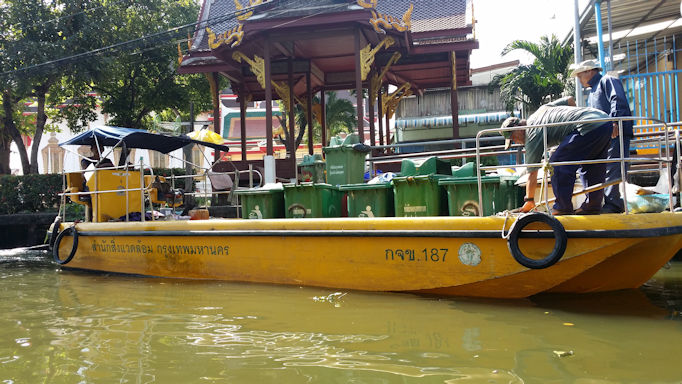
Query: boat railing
point(462, 149)
point(206, 175)
point(145, 189)
point(664, 160)
point(95, 171)
point(651, 136)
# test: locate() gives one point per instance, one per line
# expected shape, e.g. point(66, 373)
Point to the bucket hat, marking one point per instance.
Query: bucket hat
point(584, 66)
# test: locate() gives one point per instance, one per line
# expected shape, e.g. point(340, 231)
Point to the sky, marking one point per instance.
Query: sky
point(499, 22)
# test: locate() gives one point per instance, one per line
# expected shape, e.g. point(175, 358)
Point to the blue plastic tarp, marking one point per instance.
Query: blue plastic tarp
point(136, 138)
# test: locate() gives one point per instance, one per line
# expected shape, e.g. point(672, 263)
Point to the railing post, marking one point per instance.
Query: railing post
point(623, 174)
point(142, 209)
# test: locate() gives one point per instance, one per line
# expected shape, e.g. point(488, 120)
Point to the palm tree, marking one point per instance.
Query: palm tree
point(341, 115)
point(546, 79)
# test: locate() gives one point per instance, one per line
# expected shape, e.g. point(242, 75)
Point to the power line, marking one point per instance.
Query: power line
point(71, 15)
point(150, 39)
point(169, 32)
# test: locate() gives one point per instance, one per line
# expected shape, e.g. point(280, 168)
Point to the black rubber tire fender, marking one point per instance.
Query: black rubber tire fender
point(560, 240)
point(55, 251)
point(55, 231)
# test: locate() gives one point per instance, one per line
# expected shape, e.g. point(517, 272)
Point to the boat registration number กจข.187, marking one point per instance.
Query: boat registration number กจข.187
point(424, 254)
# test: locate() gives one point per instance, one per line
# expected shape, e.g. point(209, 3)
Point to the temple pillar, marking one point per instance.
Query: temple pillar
point(309, 111)
point(242, 123)
point(358, 88)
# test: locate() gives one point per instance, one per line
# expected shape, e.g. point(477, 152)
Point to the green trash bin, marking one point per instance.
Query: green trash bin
point(312, 168)
point(312, 200)
point(345, 164)
point(261, 203)
point(369, 200)
point(499, 194)
point(511, 195)
point(416, 196)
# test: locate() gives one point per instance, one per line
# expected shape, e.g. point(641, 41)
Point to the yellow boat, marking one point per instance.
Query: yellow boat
point(440, 255)
point(497, 256)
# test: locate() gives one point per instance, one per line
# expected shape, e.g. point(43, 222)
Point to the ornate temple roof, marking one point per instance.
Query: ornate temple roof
point(319, 35)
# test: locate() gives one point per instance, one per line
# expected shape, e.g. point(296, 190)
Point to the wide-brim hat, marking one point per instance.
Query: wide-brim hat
point(584, 66)
point(508, 123)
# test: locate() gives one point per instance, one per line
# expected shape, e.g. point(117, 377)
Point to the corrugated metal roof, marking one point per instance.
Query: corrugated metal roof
point(627, 16)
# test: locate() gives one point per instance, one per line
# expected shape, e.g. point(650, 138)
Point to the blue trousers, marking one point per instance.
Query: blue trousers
point(612, 199)
point(575, 147)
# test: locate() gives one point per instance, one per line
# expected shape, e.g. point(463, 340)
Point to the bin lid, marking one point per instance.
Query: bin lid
point(466, 170)
point(406, 179)
point(363, 186)
point(359, 148)
point(258, 191)
point(425, 166)
point(310, 185)
point(351, 139)
point(312, 159)
point(468, 180)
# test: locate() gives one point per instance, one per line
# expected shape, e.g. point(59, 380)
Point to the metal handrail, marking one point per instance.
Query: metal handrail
point(145, 189)
point(544, 127)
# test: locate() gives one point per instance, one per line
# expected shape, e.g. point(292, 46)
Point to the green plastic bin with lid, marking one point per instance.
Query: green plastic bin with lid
point(416, 196)
point(369, 200)
point(261, 203)
point(311, 169)
point(499, 194)
point(511, 195)
point(312, 200)
point(345, 164)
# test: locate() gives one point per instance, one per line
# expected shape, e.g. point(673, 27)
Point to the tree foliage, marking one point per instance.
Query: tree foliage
point(339, 113)
point(133, 81)
point(545, 79)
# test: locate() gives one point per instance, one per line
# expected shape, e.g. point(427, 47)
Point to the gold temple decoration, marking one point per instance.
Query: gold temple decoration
point(189, 48)
point(367, 55)
point(390, 103)
point(244, 15)
point(282, 89)
point(375, 81)
point(213, 84)
point(380, 20)
point(257, 65)
point(370, 4)
point(241, 15)
point(317, 112)
point(303, 102)
point(234, 36)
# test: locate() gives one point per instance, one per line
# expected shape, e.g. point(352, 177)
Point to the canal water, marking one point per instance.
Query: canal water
point(73, 327)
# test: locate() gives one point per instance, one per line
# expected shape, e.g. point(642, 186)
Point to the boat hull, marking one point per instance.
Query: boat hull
point(442, 255)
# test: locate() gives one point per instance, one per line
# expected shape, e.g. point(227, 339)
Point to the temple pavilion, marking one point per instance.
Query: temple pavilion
point(294, 50)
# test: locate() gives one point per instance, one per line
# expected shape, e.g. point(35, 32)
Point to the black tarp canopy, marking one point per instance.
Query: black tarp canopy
point(137, 138)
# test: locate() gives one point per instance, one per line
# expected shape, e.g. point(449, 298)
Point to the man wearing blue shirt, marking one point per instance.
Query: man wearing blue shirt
point(607, 94)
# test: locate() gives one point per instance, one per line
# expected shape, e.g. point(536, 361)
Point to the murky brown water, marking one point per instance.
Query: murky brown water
point(68, 327)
